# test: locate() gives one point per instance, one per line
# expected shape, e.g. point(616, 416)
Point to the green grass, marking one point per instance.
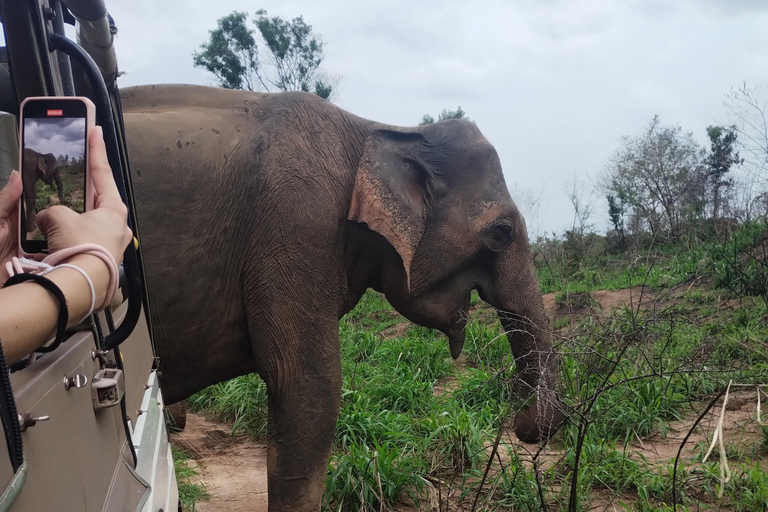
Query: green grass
point(657, 267)
point(190, 491)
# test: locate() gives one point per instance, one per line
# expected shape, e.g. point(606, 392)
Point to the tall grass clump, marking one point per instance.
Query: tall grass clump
point(241, 401)
point(190, 490)
point(370, 477)
point(741, 265)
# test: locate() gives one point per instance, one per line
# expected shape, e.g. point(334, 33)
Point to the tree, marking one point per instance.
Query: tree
point(749, 108)
point(445, 114)
point(290, 60)
point(616, 214)
point(583, 203)
point(752, 126)
point(231, 53)
point(722, 157)
point(659, 175)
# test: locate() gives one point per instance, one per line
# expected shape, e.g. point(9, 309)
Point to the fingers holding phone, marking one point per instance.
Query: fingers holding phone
point(105, 224)
point(9, 200)
point(69, 194)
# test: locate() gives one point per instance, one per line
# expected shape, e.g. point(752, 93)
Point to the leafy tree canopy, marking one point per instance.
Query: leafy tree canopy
point(723, 155)
point(445, 114)
point(288, 58)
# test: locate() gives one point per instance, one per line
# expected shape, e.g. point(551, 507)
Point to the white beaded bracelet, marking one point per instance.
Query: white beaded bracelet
point(44, 268)
point(87, 278)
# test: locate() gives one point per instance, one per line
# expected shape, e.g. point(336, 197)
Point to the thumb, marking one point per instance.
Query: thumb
point(9, 196)
point(50, 217)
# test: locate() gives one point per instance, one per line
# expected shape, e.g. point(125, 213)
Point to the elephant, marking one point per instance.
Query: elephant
point(264, 218)
point(38, 166)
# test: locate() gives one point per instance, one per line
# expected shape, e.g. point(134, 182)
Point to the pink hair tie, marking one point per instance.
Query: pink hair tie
point(21, 265)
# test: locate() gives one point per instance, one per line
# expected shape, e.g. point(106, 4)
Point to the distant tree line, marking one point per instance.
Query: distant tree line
point(445, 114)
point(663, 181)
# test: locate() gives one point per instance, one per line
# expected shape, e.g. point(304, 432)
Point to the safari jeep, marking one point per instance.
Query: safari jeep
point(88, 432)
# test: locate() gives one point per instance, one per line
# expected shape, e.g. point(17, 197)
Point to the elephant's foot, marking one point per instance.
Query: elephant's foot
point(178, 414)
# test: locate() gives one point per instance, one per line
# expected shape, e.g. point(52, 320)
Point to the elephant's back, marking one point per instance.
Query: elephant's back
point(204, 160)
point(187, 141)
point(163, 97)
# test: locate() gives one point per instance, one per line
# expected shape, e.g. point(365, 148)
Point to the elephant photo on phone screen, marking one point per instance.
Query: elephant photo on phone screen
point(264, 218)
point(39, 167)
point(53, 156)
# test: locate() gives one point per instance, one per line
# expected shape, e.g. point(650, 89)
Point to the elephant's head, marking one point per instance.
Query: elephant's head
point(438, 196)
point(47, 167)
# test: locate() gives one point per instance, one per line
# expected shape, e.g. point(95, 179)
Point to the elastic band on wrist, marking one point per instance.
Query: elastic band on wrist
point(61, 324)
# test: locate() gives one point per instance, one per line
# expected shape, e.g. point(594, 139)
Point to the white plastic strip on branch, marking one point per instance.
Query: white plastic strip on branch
point(717, 438)
point(759, 414)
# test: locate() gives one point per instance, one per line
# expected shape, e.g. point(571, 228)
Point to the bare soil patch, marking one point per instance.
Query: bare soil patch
point(395, 331)
point(233, 469)
point(600, 302)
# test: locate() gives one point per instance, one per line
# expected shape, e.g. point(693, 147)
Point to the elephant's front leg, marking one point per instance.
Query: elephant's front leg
point(59, 187)
point(297, 353)
point(29, 210)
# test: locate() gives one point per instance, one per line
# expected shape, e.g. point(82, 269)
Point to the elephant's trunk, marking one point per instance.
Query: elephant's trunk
point(521, 312)
point(537, 370)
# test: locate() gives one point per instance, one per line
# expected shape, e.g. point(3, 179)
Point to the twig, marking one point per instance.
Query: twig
point(378, 480)
point(488, 466)
point(685, 439)
point(540, 488)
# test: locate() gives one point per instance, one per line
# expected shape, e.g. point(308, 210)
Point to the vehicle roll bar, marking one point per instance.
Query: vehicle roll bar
point(95, 33)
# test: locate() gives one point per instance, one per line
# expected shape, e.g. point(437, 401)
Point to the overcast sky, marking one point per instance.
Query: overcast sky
point(62, 136)
point(553, 84)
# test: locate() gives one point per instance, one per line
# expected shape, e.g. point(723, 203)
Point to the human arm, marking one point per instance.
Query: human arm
point(28, 312)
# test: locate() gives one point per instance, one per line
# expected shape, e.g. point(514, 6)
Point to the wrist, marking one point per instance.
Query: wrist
point(76, 288)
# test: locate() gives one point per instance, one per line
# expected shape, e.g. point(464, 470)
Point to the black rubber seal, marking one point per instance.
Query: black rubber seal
point(10, 417)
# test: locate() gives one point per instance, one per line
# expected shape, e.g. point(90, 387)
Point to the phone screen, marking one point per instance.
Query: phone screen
point(53, 163)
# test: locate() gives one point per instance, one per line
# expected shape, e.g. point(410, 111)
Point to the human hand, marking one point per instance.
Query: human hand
point(105, 225)
point(9, 202)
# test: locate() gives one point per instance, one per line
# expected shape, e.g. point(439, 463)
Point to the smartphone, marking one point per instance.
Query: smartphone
point(53, 162)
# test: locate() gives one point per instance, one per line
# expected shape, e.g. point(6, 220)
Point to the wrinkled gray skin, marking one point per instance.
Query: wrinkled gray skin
point(36, 166)
point(264, 218)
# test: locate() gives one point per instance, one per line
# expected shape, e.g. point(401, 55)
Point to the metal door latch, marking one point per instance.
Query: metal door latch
point(76, 381)
point(107, 388)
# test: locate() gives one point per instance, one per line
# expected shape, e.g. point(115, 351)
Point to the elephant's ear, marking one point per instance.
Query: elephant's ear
point(392, 191)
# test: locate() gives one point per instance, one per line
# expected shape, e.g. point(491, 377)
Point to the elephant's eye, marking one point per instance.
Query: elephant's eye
point(498, 236)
